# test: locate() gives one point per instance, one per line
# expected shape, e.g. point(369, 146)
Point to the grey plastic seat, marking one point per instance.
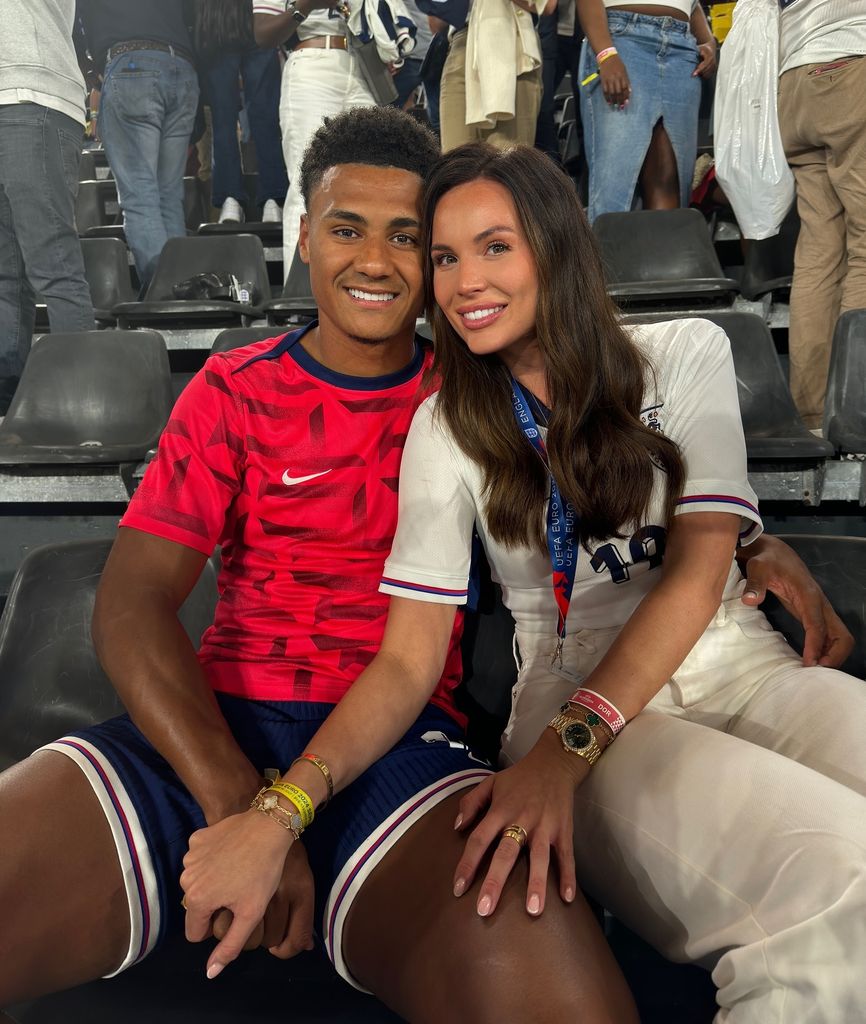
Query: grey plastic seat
point(106, 268)
point(237, 337)
point(183, 258)
point(94, 397)
point(773, 427)
point(839, 566)
point(661, 259)
point(297, 302)
point(845, 404)
point(769, 262)
point(97, 210)
point(87, 167)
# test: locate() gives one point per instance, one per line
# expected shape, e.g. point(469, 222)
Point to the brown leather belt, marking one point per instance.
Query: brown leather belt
point(322, 43)
point(131, 45)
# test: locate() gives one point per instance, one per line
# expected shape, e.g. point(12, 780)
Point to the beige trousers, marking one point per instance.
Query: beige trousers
point(727, 823)
point(452, 105)
point(823, 125)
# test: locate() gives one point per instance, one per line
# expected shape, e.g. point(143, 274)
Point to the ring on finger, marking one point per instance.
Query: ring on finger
point(516, 832)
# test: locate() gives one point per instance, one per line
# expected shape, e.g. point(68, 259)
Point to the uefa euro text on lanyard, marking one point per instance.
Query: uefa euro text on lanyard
point(561, 520)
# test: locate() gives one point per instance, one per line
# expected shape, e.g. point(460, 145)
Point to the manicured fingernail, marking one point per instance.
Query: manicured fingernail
point(460, 887)
point(214, 969)
point(458, 821)
point(750, 593)
point(534, 904)
point(569, 895)
point(484, 906)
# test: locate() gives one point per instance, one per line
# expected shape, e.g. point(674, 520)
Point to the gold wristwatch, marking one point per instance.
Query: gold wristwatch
point(575, 730)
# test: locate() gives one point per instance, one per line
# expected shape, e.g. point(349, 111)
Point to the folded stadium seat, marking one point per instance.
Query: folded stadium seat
point(839, 566)
point(87, 167)
point(184, 258)
point(194, 205)
point(769, 262)
point(296, 304)
point(88, 406)
point(51, 683)
point(845, 405)
point(106, 267)
point(773, 427)
point(237, 337)
point(97, 210)
point(661, 259)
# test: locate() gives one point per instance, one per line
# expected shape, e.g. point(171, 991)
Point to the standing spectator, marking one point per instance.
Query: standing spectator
point(639, 68)
point(228, 55)
point(561, 36)
point(408, 77)
point(491, 82)
point(822, 89)
point(147, 113)
point(41, 132)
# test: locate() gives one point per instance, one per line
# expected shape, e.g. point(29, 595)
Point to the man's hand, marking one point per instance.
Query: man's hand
point(287, 928)
point(779, 569)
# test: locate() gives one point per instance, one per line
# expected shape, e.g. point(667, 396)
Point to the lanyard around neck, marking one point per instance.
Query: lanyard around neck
point(561, 518)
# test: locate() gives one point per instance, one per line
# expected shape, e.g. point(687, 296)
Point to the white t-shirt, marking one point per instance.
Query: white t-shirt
point(693, 401)
point(320, 22)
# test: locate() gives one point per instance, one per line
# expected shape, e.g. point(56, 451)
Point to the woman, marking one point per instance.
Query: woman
point(727, 824)
point(639, 71)
point(501, 289)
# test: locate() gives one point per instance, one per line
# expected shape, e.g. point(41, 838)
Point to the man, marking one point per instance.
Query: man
point(286, 453)
point(146, 114)
point(41, 132)
point(822, 68)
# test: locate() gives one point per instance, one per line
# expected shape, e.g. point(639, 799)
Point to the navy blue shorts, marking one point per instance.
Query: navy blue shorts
point(152, 814)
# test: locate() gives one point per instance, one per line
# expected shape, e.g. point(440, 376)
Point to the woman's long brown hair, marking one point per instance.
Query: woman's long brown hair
point(601, 455)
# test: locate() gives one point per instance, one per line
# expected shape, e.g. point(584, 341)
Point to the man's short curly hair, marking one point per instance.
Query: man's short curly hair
point(378, 136)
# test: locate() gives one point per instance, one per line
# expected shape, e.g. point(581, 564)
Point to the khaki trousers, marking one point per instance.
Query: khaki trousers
point(823, 126)
point(727, 823)
point(452, 105)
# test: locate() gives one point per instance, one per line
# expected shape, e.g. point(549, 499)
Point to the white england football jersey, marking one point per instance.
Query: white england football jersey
point(693, 401)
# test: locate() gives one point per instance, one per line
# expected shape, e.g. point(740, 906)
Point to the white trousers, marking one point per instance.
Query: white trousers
point(727, 824)
point(316, 84)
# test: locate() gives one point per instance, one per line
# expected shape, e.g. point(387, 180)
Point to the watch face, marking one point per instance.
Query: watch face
point(578, 736)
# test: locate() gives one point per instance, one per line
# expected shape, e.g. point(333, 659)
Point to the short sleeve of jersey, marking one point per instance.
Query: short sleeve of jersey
point(188, 488)
point(699, 409)
point(269, 6)
point(431, 554)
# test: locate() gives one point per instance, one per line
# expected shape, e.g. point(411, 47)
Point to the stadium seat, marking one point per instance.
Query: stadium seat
point(87, 167)
point(772, 425)
point(183, 258)
point(296, 302)
point(237, 337)
point(91, 398)
point(106, 268)
point(845, 404)
point(839, 566)
point(97, 212)
point(769, 262)
point(661, 259)
point(194, 205)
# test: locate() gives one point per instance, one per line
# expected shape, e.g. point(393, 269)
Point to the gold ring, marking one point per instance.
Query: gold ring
point(183, 902)
point(517, 833)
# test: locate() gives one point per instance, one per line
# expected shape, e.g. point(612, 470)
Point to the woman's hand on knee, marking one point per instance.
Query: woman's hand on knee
point(531, 804)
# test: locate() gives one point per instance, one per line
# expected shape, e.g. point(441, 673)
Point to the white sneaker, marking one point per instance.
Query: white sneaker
point(232, 212)
point(271, 212)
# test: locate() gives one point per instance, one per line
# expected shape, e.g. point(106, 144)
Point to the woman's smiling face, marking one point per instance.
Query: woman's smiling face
point(484, 273)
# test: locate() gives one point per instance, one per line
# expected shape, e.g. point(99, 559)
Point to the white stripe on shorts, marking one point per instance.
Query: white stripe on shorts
point(139, 877)
point(370, 853)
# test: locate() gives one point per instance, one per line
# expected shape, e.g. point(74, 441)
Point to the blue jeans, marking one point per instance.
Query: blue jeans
point(146, 117)
point(660, 55)
point(40, 150)
point(261, 73)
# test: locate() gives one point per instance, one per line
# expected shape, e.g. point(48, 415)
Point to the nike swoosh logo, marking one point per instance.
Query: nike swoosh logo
point(290, 481)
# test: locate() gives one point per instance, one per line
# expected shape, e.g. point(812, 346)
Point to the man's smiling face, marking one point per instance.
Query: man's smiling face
point(361, 237)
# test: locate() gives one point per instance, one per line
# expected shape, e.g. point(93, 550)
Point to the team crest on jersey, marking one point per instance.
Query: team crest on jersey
point(652, 417)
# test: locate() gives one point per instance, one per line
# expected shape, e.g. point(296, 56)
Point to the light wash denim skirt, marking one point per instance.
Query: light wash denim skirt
point(660, 55)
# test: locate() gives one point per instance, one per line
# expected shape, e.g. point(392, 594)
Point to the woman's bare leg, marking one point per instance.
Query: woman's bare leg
point(659, 178)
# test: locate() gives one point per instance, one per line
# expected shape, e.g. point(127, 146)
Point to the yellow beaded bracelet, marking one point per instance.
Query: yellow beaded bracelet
point(298, 797)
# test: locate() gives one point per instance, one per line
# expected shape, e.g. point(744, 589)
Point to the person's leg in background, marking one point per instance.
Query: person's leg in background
point(40, 151)
point(545, 130)
point(222, 88)
point(261, 77)
point(452, 96)
point(521, 128)
point(432, 71)
point(180, 106)
point(407, 80)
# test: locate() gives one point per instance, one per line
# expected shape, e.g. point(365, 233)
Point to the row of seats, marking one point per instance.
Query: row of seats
point(104, 396)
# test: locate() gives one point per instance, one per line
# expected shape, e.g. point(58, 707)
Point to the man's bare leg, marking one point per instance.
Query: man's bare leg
point(62, 899)
point(431, 958)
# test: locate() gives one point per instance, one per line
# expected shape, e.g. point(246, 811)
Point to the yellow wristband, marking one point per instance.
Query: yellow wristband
point(298, 797)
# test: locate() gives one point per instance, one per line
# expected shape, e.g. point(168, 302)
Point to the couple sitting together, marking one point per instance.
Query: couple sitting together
point(667, 752)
